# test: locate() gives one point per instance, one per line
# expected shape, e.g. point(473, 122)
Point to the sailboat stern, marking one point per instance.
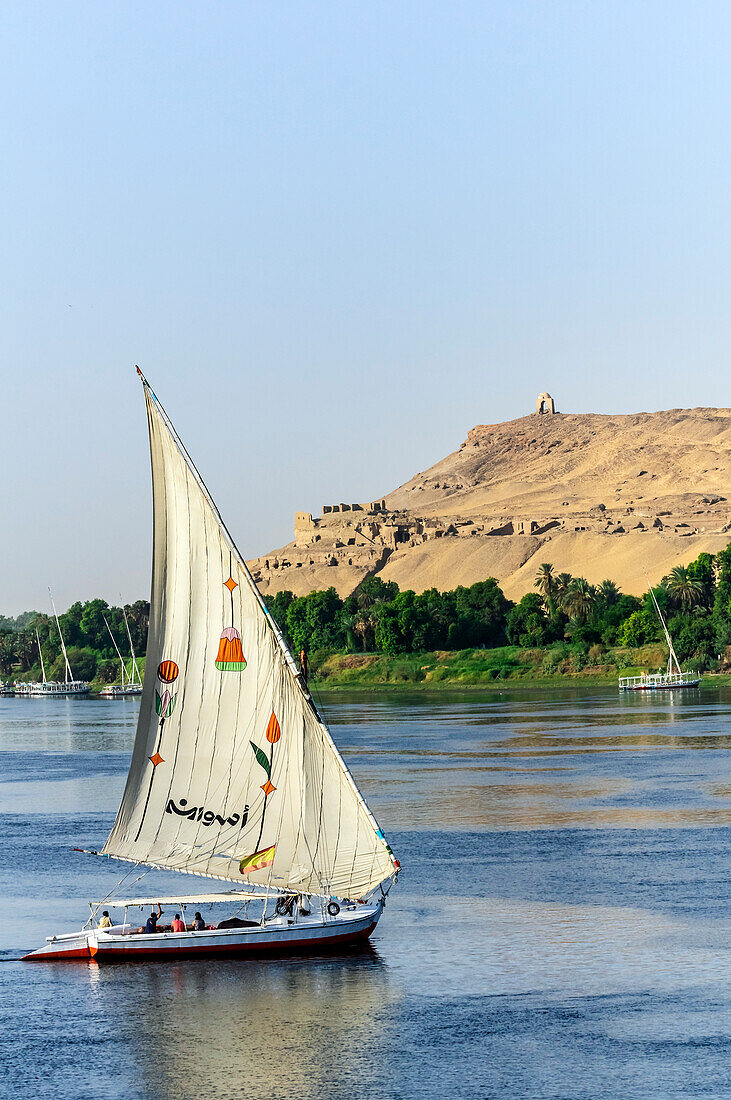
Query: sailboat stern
point(69, 947)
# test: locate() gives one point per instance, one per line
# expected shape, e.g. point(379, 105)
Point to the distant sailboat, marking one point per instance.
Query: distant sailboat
point(672, 678)
point(67, 686)
point(130, 682)
point(234, 775)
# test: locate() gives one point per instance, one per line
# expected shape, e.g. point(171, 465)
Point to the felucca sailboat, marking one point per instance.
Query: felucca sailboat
point(672, 678)
point(234, 776)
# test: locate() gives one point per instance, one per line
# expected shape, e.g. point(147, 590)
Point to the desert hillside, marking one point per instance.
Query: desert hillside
point(597, 495)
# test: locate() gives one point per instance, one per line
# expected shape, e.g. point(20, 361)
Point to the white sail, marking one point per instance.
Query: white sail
point(233, 773)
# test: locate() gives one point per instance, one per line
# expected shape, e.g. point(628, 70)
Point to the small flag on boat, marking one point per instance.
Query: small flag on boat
point(258, 860)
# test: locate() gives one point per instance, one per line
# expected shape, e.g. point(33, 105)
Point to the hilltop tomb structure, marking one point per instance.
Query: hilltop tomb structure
point(545, 404)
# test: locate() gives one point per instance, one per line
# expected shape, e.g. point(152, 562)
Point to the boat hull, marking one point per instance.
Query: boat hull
point(663, 687)
point(277, 937)
point(122, 693)
point(61, 949)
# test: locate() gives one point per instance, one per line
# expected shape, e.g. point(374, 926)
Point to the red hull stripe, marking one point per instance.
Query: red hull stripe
point(280, 948)
point(55, 956)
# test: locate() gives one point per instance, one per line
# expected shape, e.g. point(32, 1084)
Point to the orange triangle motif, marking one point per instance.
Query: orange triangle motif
point(231, 584)
point(268, 788)
point(156, 759)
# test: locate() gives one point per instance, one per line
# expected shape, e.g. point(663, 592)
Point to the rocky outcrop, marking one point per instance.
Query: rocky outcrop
point(601, 496)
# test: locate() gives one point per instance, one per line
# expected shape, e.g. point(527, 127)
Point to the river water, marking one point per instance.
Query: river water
point(562, 927)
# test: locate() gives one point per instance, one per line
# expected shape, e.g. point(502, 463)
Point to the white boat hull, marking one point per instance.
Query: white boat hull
point(276, 937)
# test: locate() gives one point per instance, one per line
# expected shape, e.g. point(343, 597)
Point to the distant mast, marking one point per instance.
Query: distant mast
point(114, 643)
point(40, 654)
point(135, 677)
point(69, 674)
point(672, 658)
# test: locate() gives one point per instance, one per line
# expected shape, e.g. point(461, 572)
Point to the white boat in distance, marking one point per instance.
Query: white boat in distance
point(670, 680)
point(234, 775)
point(68, 686)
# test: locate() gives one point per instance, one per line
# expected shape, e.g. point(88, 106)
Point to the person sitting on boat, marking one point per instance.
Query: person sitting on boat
point(151, 923)
point(105, 922)
point(178, 925)
point(199, 924)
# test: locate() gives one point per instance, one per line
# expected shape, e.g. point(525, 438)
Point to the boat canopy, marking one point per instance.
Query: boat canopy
point(183, 899)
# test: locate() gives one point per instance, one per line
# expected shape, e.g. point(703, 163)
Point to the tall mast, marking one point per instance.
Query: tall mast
point(136, 671)
point(69, 673)
point(672, 659)
point(40, 654)
point(121, 661)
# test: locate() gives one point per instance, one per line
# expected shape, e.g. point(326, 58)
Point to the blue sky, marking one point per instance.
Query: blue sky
point(335, 237)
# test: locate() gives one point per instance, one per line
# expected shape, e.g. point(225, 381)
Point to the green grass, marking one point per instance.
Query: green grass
point(486, 667)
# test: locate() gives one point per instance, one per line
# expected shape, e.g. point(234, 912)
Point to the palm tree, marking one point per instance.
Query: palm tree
point(26, 651)
point(546, 582)
point(562, 585)
point(608, 592)
point(580, 598)
point(363, 626)
point(683, 589)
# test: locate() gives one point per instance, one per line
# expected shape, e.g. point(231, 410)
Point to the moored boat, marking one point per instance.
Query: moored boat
point(672, 679)
point(53, 688)
point(234, 775)
point(659, 681)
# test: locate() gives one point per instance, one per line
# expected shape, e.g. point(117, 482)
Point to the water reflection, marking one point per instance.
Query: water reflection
point(247, 1028)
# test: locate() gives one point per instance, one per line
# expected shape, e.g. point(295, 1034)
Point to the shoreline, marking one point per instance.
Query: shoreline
point(491, 669)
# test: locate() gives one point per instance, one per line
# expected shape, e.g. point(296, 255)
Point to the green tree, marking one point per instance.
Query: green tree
point(722, 599)
point(640, 628)
point(561, 590)
point(527, 623)
point(684, 589)
point(703, 570)
point(138, 618)
point(579, 599)
point(373, 590)
point(607, 594)
point(476, 616)
point(545, 582)
point(278, 606)
point(92, 630)
point(83, 661)
point(313, 621)
point(693, 638)
point(8, 651)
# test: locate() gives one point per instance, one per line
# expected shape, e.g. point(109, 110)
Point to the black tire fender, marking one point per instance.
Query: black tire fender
point(333, 908)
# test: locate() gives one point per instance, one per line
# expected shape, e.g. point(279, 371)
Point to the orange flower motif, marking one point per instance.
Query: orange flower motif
point(167, 671)
point(273, 730)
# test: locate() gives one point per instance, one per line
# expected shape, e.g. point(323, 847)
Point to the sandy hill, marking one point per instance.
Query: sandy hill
point(598, 496)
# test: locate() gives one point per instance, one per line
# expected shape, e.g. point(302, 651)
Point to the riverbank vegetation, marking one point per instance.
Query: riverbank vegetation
point(90, 649)
point(563, 627)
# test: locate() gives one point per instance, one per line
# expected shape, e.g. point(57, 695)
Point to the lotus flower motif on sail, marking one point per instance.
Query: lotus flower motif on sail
point(164, 703)
point(230, 657)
